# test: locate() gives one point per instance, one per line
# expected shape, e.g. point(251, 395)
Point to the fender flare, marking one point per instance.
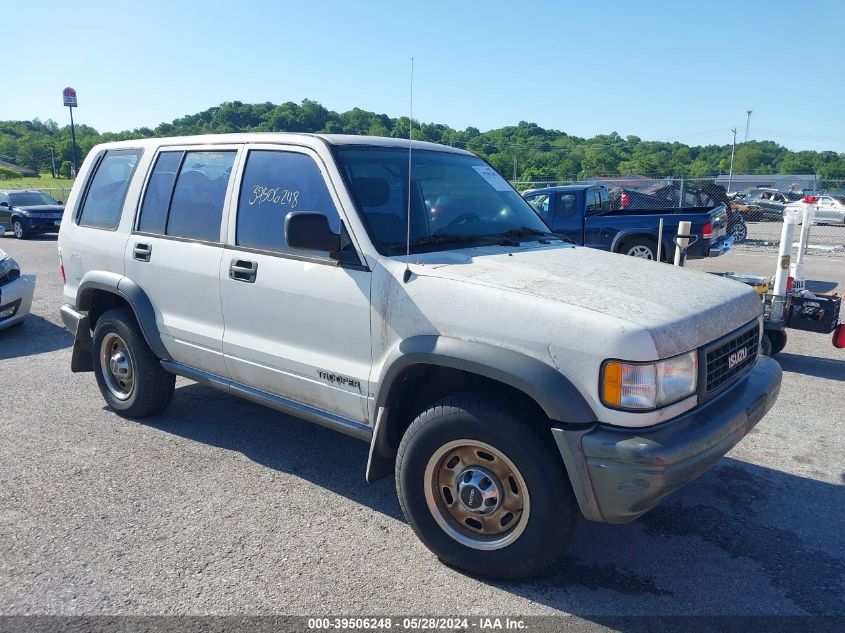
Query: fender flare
point(548, 387)
point(132, 293)
point(645, 233)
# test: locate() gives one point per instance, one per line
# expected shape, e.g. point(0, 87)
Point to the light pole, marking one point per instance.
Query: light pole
point(747, 123)
point(69, 98)
point(733, 151)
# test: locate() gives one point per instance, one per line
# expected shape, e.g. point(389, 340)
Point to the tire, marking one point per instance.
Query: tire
point(777, 341)
point(740, 232)
point(766, 345)
point(640, 247)
point(19, 231)
point(528, 478)
point(129, 375)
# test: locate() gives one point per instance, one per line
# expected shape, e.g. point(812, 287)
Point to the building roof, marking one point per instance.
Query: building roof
point(23, 171)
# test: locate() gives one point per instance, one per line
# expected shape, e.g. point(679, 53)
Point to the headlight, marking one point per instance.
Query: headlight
point(645, 386)
point(7, 265)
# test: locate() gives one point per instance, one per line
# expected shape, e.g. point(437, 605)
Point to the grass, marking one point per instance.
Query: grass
point(59, 188)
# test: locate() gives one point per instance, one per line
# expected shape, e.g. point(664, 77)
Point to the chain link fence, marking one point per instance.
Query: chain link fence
point(756, 209)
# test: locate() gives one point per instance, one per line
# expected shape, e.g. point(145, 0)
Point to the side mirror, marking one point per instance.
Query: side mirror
point(4, 204)
point(59, 202)
point(310, 231)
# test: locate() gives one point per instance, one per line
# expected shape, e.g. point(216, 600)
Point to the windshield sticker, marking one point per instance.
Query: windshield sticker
point(274, 195)
point(492, 177)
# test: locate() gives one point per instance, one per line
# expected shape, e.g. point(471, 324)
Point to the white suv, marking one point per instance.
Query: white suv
point(512, 381)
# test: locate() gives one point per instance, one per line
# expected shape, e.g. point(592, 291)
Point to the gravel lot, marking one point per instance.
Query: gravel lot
point(221, 506)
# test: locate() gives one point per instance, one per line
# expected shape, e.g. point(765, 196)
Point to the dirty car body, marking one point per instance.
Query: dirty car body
point(508, 377)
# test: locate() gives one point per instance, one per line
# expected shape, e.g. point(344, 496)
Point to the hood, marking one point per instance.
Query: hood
point(41, 207)
point(681, 309)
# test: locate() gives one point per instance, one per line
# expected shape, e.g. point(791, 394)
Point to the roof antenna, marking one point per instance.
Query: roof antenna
point(407, 274)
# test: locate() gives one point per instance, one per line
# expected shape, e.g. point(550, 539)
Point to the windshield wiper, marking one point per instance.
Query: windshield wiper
point(454, 238)
point(525, 231)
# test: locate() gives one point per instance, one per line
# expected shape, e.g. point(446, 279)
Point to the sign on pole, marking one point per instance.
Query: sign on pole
point(69, 95)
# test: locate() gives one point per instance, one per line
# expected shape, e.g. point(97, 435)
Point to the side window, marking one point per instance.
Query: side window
point(566, 205)
point(604, 200)
point(540, 203)
point(196, 208)
point(4, 197)
point(274, 184)
point(157, 196)
point(592, 202)
point(106, 193)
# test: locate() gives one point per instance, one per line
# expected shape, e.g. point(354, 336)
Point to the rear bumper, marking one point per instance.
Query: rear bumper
point(16, 300)
point(619, 474)
point(721, 246)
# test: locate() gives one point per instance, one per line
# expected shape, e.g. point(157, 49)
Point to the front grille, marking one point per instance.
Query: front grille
point(727, 360)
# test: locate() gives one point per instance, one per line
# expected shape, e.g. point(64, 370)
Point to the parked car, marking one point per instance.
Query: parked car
point(510, 379)
point(16, 291)
point(27, 212)
point(766, 204)
point(585, 215)
point(830, 210)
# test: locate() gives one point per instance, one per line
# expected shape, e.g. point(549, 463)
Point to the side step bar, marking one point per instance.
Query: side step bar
point(285, 405)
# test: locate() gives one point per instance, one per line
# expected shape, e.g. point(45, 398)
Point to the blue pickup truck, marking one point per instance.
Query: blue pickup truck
point(585, 215)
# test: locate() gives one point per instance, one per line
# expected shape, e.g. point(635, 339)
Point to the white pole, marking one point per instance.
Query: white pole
point(791, 217)
point(682, 241)
point(808, 214)
point(659, 237)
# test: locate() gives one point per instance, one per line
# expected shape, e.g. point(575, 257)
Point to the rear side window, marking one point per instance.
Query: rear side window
point(566, 205)
point(186, 193)
point(274, 184)
point(197, 204)
point(157, 198)
point(106, 193)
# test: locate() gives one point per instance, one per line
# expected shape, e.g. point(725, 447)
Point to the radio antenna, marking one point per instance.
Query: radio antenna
point(407, 274)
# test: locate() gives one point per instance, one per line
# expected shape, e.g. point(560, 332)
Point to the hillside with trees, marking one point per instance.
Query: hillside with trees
point(539, 153)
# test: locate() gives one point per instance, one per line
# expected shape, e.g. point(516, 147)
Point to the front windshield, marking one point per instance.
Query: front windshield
point(456, 199)
point(30, 199)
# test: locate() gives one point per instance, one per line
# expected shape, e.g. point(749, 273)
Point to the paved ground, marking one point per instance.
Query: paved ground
point(221, 506)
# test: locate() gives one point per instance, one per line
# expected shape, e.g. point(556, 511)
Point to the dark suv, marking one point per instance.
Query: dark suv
point(27, 211)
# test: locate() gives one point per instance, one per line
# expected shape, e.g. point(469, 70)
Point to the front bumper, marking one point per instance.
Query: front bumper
point(619, 474)
point(16, 300)
point(41, 225)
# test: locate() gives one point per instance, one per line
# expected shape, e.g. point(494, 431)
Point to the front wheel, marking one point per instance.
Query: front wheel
point(484, 490)
point(18, 229)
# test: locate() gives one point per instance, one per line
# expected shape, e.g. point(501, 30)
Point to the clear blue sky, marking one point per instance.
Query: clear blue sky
point(677, 70)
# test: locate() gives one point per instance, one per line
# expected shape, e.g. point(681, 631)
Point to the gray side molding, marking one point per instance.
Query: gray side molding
point(555, 394)
point(134, 296)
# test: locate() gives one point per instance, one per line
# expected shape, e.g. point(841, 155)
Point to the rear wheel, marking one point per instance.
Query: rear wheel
point(740, 232)
point(641, 247)
point(484, 490)
point(129, 375)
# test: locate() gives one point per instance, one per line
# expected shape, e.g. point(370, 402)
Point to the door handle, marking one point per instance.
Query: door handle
point(142, 252)
point(243, 270)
